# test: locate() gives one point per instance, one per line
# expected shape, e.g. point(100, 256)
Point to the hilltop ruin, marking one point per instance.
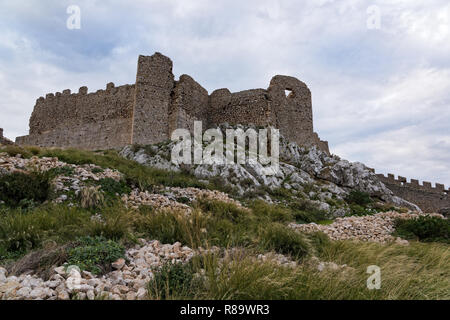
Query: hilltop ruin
point(148, 111)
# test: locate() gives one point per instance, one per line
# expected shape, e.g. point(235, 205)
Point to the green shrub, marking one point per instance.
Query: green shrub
point(284, 240)
point(20, 189)
point(14, 150)
point(305, 211)
point(173, 280)
point(280, 193)
point(112, 187)
point(95, 254)
point(424, 228)
point(358, 197)
point(170, 227)
point(274, 213)
point(223, 210)
point(21, 231)
point(115, 222)
point(357, 210)
point(219, 183)
point(62, 171)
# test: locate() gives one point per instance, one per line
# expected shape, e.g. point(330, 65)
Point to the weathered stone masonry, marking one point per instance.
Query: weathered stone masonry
point(148, 111)
point(4, 140)
point(427, 197)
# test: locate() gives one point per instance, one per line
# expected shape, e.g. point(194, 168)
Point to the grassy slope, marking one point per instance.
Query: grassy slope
point(418, 271)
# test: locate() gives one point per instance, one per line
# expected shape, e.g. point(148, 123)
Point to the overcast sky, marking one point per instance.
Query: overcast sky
point(381, 96)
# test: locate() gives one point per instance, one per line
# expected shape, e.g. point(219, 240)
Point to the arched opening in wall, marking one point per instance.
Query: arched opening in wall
point(288, 93)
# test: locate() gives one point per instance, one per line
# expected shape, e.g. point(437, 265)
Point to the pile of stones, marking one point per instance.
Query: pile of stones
point(174, 198)
point(373, 228)
point(193, 194)
point(160, 202)
point(128, 281)
point(10, 164)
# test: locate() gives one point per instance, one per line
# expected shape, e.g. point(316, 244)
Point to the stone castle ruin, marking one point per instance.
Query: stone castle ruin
point(148, 111)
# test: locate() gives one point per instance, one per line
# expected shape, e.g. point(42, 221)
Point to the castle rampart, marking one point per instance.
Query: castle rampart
point(99, 120)
point(428, 197)
point(148, 111)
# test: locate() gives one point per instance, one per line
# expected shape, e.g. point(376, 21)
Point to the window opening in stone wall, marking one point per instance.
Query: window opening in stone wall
point(288, 93)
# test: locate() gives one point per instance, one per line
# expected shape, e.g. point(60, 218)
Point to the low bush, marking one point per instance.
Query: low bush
point(305, 211)
point(358, 197)
point(95, 254)
point(219, 183)
point(357, 210)
point(424, 228)
point(14, 150)
point(20, 189)
point(62, 171)
point(274, 213)
point(223, 210)
point(173, 281)
point(22, 231)
point(112, 188)
point(280, 193)
point(284, 240)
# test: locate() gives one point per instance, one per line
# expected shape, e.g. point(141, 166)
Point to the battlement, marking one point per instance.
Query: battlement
point(82, 91)
point(149, 110)
point(70, 109)
point(429, 197)
point(413, 183)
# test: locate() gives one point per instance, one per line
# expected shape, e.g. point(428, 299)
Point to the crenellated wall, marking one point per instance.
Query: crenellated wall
point(148, 111)
point(99, 120)
point(428, 197)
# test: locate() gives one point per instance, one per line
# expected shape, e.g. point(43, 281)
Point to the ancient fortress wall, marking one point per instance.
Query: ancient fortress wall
point(99, 120)
point(4, 140)
point(427, 197)
point(190, 102)
point(148, 111)
point(250, 106)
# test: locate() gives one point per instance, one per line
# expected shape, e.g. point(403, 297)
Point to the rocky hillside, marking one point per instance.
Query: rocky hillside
point(132, 226)
point(304, 173)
